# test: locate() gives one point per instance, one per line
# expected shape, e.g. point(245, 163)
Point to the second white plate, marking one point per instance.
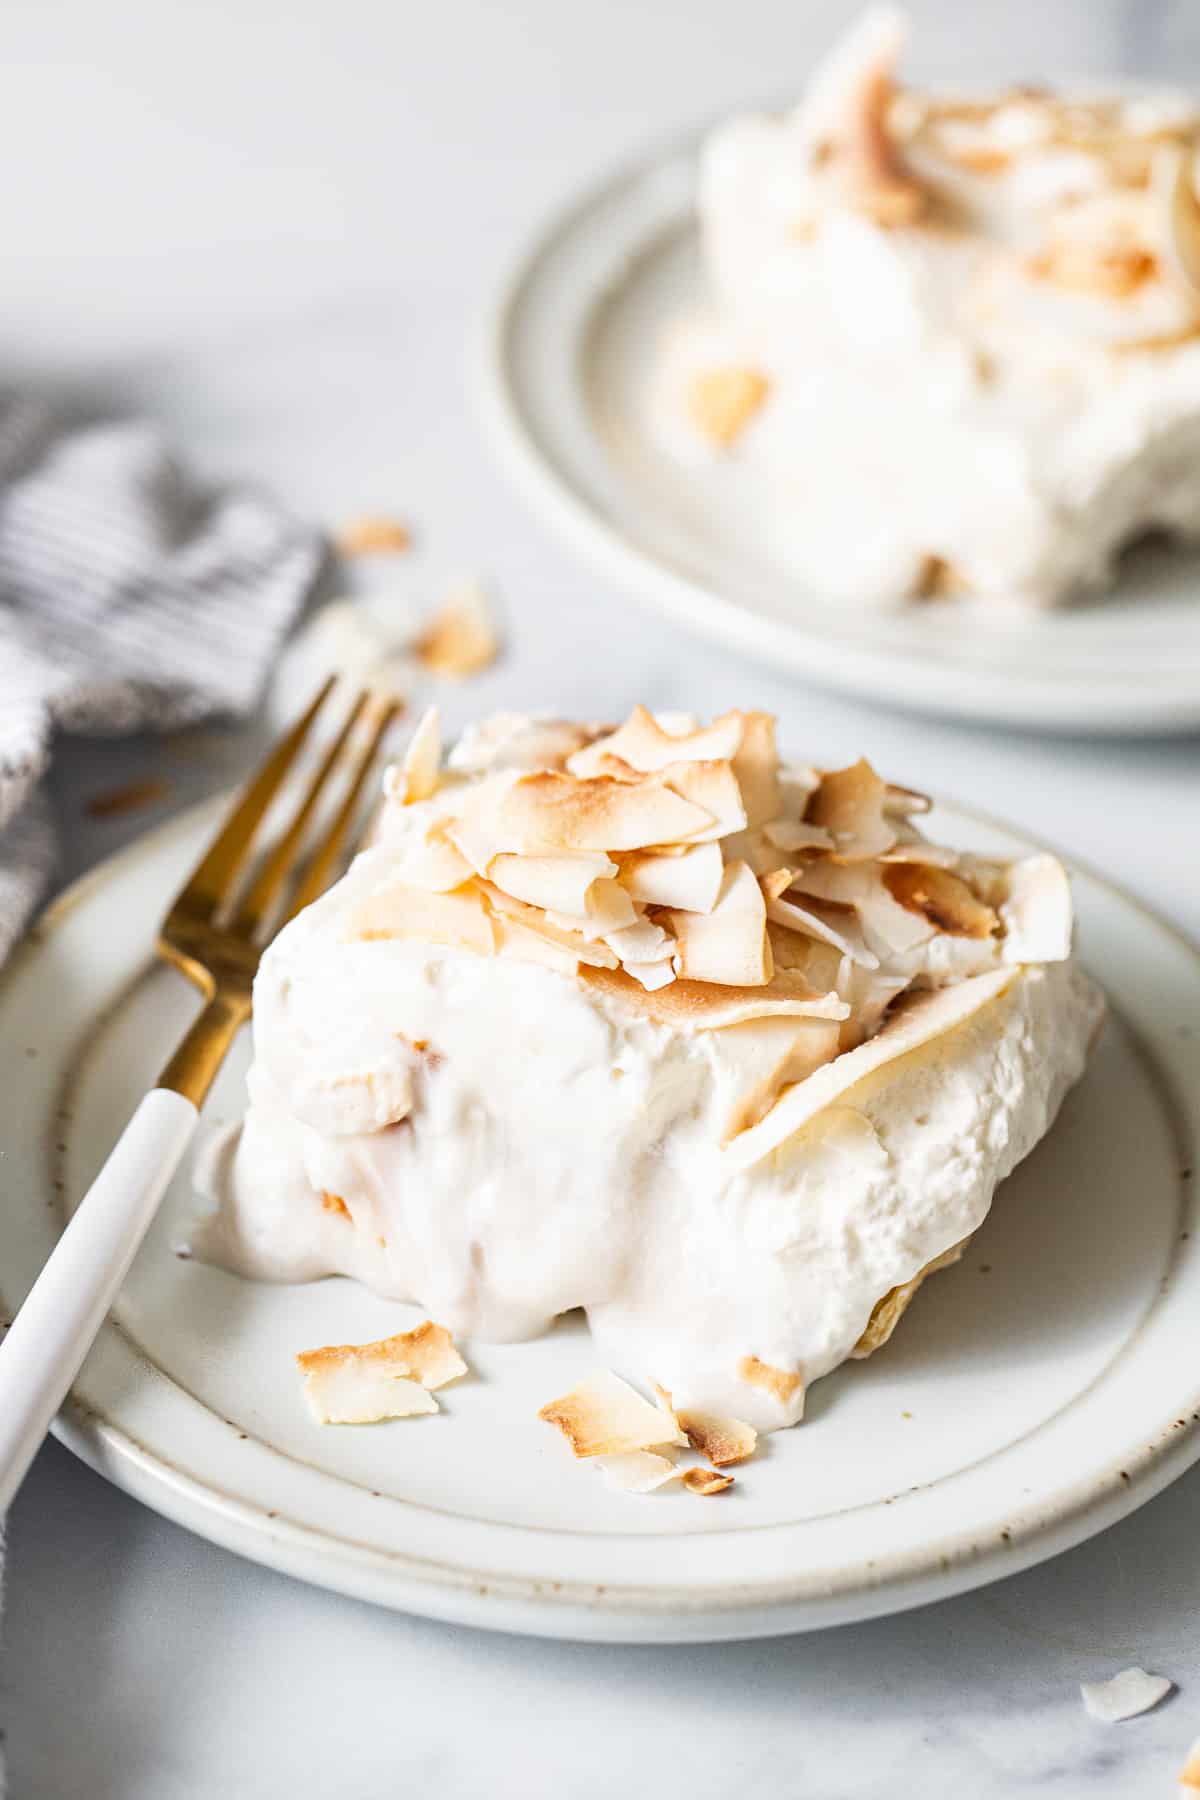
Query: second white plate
point(567, 366)
point(1035, 1393)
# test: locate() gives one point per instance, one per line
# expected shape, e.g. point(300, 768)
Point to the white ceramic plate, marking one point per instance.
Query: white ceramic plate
point(1043, 1388)
point(566, 372)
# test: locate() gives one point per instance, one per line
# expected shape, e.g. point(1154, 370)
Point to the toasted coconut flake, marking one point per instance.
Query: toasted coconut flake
point(431, 1354)
point(690, 882)
point(422, 761)
point(435, 864)
point(604, 1416)
point(1174, 181)
point(713, 786)
point(930, 1016)
point(722, 402)
point(534, 920)
point(333, 1203)
point(756, 766)
point(781, 1384)
point(642, 942)
point(934, 856)
point(792, 834)
point(372, 534)
point(705, 1481)
point(849, 804)
point(644, 743)
point(705, 1006)
point(461, 639)
point(722, 1440)
point(550, 811)
point(555, 883)
point(888, 1311)
point(360, 1384)
point(902, 802)
point(652, 976)
point(941, 897)
point(727, 946)
point(638, 1471)
point(458, 919)
point(1189, 1775)
point(508, 740)
point(810, 924)
point(609, 908)
point(516, 940)
point(1131, 1692)
point(1037, 915)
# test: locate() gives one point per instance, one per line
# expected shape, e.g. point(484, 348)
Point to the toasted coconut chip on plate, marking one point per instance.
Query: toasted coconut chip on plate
point(360, 1384)
point(555, 883)
point(708, 1006)
point(461, 639)
point(638, 1471)
point(421, 763)
point(889, 928)
point(1189, 1775)
point(727, 946)
point(930, 1016)
point(549, 811)
point(431, 1354)
point(536, 921)
point(722, 1440)
point(690, 882)
point(781, 1384)
point(794, 834)
point(705, 1481)
point(604, 1416)
point(713, 786)
point(372, 534)
point(644, 743)
point(1037, 915)
point(849, 805)
point(942, 897)
point(458, 919)
point(1131, 1692)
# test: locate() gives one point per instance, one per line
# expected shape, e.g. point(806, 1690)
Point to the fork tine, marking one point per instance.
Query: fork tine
point(253, 909)
point(212, 878)
point(320, 870)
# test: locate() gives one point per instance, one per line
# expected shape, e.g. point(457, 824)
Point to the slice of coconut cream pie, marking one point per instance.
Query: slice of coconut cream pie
point(642, 1021)
point(951, 342)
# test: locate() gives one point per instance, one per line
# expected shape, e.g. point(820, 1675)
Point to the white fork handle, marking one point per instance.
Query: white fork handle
point(54, 1330)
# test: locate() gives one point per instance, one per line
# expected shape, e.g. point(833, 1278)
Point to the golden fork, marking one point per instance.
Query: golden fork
point(216, 938)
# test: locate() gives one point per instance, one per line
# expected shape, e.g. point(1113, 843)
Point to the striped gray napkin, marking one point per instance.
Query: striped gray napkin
point(130, 597)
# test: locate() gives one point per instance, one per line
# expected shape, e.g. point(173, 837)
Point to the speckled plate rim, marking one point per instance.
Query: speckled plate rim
point(538, 425)
point(116, 1420)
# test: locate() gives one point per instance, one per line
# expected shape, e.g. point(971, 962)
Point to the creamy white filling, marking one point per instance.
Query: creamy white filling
point(509, 1144)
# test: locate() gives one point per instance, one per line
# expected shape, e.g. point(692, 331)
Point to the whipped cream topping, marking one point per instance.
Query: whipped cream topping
point(953, 342)
point(728, 1121)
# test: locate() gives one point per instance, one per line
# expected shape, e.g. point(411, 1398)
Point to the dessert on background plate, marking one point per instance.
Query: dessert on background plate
point(954, 339)
point(720, 1049)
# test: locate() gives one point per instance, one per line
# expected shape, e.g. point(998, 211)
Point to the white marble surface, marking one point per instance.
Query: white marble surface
point(275, 226)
